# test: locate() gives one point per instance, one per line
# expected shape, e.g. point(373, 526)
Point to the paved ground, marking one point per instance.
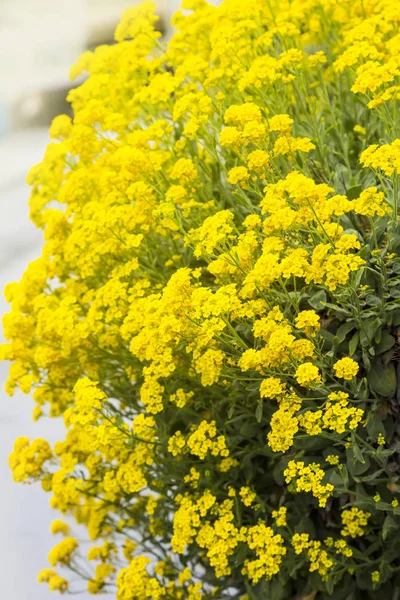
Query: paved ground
point(25, 515)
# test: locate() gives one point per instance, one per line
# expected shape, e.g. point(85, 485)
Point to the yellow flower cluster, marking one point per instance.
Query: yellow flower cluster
point(308, 320)
point(207, 225)
point(62, 552)
point(59, 526)
point(347, 368)
point(340, 547)
point(205, 440)
point(375, 576)
point(339, 417)
point(336, 415)
point(308, 478)
point(201, 442)
point(28, 458)
point(280, 516)
point(308, 375)
point(272, 387)
point(269, 549)
point(219, 537)
point(284, 424)
point(101, 574)
point(55, 582)
point(134, 582)
point(371, 50)
point(386, 157)
point(318, 556)
point(354, 521)
point(247, 496)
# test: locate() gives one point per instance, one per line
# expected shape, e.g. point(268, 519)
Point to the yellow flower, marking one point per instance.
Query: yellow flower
point(347, 368)
point(386, 157)
point(359, 129)
point(258, 160)
point(281, 123)
point(280, 516)
point(28, 458)
point(300, 542)
point(308, 478)
point(308, 320)
point(176, 444)
point(272, 387)
point(62, 552)
point(354, 521)
point(247, 496)
point(61, 127)
point(231, 137)
point(59, 526)
point(269, 550)
point(371, 203)
point(308, 375)
point(241, 114)
point(239, 175)
point(205, 440)
point(54, 581)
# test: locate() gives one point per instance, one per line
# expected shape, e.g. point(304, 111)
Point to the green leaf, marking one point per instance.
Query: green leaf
point(355, 465)
point(343, 330)
point(374, 426)
point(358, 454)
point(373, 476)
point(372, 300)
point(277, 474)
point(338, 310)
point(318, 300)
point(366, 361)
point(382, 380)
point(354, 192)
point(248, 430)
point(330, 584)
point(368, 330)
point(381, 451)
point(277, 591)
point(388, 524)
point(345, 477)
point(305, 525)
point(395, 242)
point(354, 343)
point(259, 411)
point(329, 339)
point(380, 227)
point(387, 341)
point(336, 478)
point(396, 317)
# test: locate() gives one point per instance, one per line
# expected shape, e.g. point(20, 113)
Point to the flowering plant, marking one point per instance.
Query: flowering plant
point(215, 312)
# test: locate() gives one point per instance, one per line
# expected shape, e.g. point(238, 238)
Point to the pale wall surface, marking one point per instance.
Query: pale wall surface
point(40, 39)
point(25, 513)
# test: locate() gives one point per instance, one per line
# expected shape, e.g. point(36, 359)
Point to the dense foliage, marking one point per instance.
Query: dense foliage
point(216, 310)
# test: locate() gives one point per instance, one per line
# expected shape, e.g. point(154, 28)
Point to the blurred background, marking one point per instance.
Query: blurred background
point(39, 41)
